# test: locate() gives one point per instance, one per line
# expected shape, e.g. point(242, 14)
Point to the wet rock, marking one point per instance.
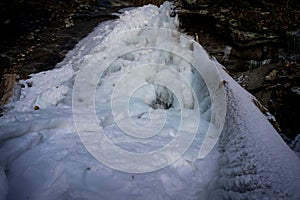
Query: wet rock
point(254, 79)
point(272, 76)
point(293, 41)
point(248, 49)
point(285, 107)
point(264, 41)
point(247, 38)
point(264, 96)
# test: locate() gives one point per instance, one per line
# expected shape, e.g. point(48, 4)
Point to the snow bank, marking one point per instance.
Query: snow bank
point(255, 162)
point(144, 101)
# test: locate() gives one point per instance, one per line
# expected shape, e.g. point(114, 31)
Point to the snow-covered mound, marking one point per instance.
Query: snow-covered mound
point(136, 111)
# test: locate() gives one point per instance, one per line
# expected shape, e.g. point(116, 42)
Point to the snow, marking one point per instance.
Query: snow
point(136, 111)
point(295, 145)
point(255, 163)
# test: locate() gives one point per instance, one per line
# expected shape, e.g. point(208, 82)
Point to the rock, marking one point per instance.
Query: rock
point(264, 96)
point(196, 3)
point(296, 144)
point(296, 90)
point(145, 2)
point(264, 37)
point(7, 85)
point(293, 41)
point(68, 22)
point(5, 60)
point(247, 38)
point(255, 78)
point(272, 76)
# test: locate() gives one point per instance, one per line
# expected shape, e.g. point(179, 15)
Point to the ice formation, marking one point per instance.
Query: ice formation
point(42, 156)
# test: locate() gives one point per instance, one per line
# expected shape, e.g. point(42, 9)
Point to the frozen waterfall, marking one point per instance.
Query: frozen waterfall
point(138, 110)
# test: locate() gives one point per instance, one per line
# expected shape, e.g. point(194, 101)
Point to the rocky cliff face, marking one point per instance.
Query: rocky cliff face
point(259, 44)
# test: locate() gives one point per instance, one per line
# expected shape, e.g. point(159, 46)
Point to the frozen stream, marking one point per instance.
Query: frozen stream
point(138, 110)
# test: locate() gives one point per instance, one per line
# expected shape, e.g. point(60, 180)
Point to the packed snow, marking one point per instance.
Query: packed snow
point(134, 81)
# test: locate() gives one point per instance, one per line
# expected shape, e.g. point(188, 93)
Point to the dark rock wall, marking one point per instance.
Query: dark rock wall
point(258, 41)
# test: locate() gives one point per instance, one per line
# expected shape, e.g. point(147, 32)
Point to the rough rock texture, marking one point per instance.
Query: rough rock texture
point(256, 30)
point(259, 44)
point(145, 2)
point(38, 33)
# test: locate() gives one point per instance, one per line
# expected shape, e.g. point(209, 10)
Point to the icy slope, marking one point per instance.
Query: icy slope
point(176, 105)
point(255, 163)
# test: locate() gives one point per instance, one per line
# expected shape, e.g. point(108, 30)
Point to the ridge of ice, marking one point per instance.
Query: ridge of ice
point(42, 157)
